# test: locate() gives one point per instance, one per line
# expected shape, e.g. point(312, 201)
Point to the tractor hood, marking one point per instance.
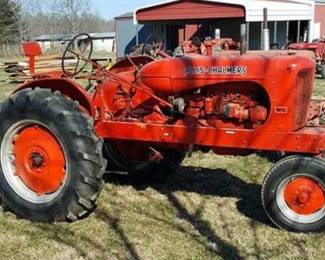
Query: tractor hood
point(183, 74)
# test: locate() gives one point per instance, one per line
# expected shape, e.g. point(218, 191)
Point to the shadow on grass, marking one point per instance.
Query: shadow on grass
point(113, 222)
point(65, 235)
point(203, 181)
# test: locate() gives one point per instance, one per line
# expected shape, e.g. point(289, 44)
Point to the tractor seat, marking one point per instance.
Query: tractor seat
point(32, 50)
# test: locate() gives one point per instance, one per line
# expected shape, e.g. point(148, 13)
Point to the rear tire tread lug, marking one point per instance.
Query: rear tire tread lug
point(87, 157)
point(94, 183)
point(87, 205)
point(83, 214)
point(71, 217)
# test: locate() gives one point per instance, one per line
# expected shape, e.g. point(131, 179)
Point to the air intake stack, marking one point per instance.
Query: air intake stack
point(243, 39)
point(265, 32)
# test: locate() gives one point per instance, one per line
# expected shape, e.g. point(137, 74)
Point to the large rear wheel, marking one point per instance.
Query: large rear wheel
point(51, 159)
point(293, 194)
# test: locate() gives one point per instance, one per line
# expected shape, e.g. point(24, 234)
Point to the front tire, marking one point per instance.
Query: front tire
point(51, 159)
point(272, 157)
point(293, 194)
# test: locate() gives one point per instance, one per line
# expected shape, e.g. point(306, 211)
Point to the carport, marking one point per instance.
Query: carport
point(289, 21)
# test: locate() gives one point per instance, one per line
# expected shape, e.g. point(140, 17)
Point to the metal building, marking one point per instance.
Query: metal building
point(319, 29)
point(129, 34)
point(179, 20)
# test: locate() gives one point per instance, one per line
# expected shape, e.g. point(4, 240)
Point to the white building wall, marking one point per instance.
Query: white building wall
point(100, 45)
point(106, 45)
point(45, 45)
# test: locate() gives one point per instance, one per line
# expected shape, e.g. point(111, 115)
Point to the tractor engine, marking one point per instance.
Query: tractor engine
point(228, 105)
point(225, 106)
point(211, 91)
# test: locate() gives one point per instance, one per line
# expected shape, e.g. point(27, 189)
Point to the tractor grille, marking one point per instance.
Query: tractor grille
point(304, 88)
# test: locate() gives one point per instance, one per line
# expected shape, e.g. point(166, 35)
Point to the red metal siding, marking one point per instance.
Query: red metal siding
point(191, 30)
point(190, 9)
point(188, 31)
point(320, 18)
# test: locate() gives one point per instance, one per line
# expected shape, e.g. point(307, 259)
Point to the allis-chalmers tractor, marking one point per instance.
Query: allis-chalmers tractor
point(142, 117)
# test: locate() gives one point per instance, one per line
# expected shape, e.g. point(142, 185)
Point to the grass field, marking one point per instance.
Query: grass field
point(209, 209)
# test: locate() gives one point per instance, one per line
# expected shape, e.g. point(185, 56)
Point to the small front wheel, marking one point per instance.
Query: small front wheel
point(293, 194)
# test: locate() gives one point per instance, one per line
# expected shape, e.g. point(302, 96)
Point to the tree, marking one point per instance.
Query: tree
point(91, 23)
point(70, 13)
point(36, 18)
point(59, 17)
point(9, 21)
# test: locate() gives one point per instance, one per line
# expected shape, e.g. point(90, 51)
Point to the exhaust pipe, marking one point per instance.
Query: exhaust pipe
point(243, 39)
point(266, 32)
point(217, 34)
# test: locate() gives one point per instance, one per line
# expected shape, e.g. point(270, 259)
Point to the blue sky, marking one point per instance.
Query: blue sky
point(108, 9)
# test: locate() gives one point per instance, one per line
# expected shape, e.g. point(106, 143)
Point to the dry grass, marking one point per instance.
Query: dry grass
point(210, 209)
point(319, 90)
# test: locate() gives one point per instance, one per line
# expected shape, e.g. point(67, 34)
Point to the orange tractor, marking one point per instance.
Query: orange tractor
point(143, 116)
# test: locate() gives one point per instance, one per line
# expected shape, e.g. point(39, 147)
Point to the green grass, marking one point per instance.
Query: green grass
point(5, 88)
point(209, 209)
point(319, 90)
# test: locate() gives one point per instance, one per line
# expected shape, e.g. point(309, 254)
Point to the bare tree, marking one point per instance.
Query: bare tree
point(33, 18)
point(59, 17)
point(70, 12)
point(9, 13)
point(94, 23)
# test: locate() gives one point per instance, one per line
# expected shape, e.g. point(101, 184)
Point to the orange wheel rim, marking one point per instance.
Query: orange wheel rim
point(39, 159)
point(304, 196)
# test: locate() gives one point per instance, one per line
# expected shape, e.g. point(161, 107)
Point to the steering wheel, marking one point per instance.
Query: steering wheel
point(155, 46)
point(81, 48)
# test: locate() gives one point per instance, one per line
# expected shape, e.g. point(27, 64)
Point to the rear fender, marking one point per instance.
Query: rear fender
point(66, 87)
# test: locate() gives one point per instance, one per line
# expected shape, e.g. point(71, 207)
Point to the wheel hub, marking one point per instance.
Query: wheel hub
point(304, 196)
point(38, 159)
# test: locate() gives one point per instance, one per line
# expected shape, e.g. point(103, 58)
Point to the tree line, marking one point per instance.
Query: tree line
point(23, 20)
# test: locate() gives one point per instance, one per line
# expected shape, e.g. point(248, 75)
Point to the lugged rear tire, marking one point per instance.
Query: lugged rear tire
point(65, 196)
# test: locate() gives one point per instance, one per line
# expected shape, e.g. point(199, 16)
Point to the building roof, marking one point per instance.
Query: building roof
point(102, 35)
point(48, 37)
point(278, 10)
point(125, 15)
